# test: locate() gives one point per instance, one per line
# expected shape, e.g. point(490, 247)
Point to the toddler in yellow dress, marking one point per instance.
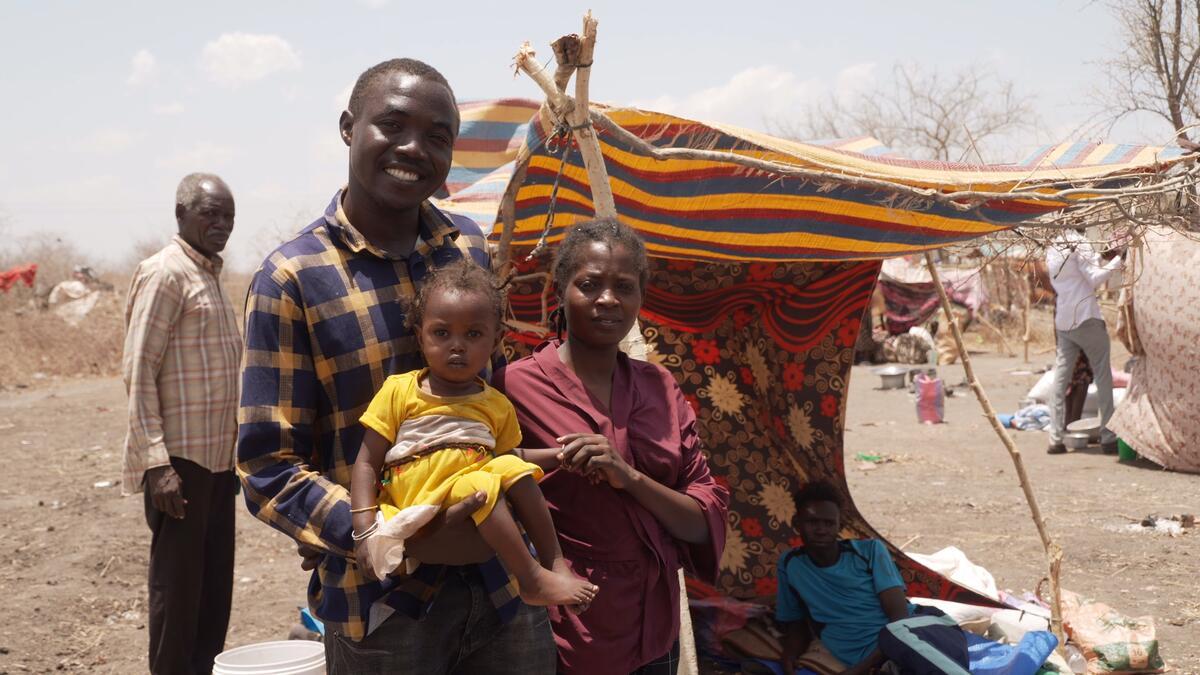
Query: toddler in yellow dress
point(439, 435)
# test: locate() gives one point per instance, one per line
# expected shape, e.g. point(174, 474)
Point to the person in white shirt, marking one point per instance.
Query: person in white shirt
point(1076, 271)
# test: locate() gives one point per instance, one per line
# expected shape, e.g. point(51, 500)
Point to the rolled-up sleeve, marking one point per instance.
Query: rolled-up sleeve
point(276, 454)
point(154, 306)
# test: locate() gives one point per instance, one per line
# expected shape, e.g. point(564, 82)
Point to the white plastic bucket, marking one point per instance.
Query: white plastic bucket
point(283, 657)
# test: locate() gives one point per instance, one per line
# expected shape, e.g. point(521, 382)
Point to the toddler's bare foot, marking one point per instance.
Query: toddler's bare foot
point(560, 566)
point(556, 588)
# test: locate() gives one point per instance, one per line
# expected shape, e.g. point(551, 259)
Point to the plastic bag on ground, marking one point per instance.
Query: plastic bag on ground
point(953, 563)
point(1111, 643)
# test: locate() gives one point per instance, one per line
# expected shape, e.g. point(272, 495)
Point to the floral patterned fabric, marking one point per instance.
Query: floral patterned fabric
point(1160, 415)
point(762, 352)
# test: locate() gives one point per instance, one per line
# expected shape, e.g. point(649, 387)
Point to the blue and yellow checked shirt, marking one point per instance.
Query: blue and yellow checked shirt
point(324, 328)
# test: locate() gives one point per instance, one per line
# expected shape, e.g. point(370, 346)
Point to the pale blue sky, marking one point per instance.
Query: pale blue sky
point(109, 104)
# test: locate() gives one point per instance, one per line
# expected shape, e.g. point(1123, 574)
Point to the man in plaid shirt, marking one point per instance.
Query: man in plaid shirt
point(324, 328)
point(182, 351)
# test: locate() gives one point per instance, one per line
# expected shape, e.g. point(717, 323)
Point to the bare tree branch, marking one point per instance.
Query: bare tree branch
point(928, 115)
point(1158, 71)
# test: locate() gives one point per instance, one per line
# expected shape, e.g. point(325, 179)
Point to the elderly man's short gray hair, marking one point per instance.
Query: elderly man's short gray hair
point(189, 190)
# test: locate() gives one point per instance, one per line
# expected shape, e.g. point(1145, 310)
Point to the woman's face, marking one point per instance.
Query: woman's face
point(602, 299)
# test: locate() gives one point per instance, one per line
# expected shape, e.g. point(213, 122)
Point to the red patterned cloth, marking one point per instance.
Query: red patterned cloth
point(762, 352)
point(20, 273)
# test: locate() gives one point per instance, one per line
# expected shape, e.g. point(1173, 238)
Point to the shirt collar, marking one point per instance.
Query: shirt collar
point(211, 265)
point(434, 229)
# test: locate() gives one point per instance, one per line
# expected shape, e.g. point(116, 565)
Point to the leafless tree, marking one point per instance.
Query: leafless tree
point(922, 114)
point(1158, 71)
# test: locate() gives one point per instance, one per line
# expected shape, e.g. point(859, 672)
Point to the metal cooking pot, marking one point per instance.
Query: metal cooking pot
point(892, 377)
point(1076, 440)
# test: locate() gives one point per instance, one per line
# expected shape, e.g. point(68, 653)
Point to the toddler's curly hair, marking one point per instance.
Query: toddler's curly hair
point(464, 276)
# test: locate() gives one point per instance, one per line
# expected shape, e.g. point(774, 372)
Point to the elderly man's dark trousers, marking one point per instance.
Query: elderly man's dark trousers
point(191, 572)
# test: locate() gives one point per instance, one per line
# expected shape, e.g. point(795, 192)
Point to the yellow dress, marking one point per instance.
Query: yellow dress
point(444, 449)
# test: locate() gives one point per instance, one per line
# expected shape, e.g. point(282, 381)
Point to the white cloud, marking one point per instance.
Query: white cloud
point(758, 97)
point(854, 79)
point(373, 4)
point(234, 59)
point(749, 99)
point(200, 156)
point(108, 141)
point(172, 108)
point(142, 68)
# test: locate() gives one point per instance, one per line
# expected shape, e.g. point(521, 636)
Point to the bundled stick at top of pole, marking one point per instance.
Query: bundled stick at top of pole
point(575, 53)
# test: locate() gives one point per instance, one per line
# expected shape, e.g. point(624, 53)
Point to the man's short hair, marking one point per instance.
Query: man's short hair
point(380, 70)
point(816, 491)
point(189, 191)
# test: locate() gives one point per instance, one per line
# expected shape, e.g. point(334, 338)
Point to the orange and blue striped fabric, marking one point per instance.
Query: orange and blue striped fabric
point(490, 134)
point(716, 211)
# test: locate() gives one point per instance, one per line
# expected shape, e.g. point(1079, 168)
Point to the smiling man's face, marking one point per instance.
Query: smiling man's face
point(401, 140)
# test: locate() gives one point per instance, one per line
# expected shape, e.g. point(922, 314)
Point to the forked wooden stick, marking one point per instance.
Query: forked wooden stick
point(574, 112)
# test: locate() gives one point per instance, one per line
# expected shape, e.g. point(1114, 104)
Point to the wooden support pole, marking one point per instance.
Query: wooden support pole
point(1054, 553)
point(574, 55)
point(1026, 294)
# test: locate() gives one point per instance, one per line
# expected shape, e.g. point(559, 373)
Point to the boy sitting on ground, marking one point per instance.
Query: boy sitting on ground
point(849, 595)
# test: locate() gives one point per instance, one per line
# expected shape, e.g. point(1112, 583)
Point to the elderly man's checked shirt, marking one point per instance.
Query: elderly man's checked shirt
point(182, 352)
point(324, 328)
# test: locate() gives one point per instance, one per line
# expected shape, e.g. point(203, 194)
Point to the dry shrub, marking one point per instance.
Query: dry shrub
point(38, 341)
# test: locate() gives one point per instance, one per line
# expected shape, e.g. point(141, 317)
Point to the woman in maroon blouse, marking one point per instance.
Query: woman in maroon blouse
point(627, 485)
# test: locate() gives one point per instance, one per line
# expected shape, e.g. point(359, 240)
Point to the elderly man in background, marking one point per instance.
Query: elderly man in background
point(182, 355)
point(1076, 271)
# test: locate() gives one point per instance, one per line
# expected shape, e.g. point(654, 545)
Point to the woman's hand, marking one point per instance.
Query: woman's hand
point(593, 456)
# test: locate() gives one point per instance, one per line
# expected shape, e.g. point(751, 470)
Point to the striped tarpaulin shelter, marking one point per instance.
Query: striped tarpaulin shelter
point(705, 210)
point(490, 135)
point(758, 282)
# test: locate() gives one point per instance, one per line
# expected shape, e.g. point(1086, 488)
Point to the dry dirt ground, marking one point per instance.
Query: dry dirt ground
point(73, 556)
point(954, 485)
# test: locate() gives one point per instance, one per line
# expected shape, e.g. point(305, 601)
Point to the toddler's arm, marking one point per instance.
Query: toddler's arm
point(364, 491)
point(364, 478)
point(547, 459)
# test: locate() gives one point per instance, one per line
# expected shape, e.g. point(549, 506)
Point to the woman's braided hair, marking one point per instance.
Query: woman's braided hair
point(463, 276)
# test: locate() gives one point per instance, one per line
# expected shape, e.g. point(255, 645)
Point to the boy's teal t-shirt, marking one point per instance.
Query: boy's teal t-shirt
point(843, 596)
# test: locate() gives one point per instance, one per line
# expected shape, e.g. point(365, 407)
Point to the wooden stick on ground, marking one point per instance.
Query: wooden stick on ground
point(1054, 553)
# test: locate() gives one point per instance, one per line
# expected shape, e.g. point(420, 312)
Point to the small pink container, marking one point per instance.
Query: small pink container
point(930, 398)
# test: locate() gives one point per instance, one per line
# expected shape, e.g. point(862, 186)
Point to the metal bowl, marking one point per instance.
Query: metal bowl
point(1076, 440)
point(1087, 425)
point(892, 377)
